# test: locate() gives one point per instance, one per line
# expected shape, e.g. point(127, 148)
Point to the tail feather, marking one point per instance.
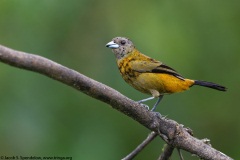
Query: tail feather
point(210, 85)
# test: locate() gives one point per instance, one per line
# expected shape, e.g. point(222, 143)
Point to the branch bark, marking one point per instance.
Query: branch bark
point(174, 134)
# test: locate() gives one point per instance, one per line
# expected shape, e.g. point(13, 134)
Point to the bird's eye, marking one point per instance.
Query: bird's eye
point(123, 42)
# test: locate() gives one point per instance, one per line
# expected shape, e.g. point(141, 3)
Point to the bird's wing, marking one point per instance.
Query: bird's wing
point(153, 66)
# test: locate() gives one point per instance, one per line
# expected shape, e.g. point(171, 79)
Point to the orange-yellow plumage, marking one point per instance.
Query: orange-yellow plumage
point(140, 77)
point(148, 75)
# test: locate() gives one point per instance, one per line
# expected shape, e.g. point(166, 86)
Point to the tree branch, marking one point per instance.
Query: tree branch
point(167, 152)
point(175, 135)
point(140, 147)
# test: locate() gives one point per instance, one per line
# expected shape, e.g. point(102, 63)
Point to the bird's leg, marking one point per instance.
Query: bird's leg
point(144, 100)
point(150, 98)
point(158, 101)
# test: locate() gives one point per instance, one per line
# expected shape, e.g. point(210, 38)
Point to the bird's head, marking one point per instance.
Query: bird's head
point(120, 46)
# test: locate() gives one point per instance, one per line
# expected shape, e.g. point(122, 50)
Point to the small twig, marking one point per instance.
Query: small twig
point(140, 147)
point(180, 154)
point(167, 152)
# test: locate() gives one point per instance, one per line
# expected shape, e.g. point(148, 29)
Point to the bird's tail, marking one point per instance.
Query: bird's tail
point(210, 85)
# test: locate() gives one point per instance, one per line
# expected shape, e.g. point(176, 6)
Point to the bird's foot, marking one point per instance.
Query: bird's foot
point(157, 114)
point(145, 106)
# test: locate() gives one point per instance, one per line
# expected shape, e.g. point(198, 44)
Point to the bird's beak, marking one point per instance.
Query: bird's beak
point(112, 45)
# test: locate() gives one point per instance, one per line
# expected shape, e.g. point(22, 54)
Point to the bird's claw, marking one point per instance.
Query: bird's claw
point(157, 114)
point(145, 106)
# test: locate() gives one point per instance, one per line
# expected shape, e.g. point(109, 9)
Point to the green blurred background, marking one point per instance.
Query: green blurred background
point(42, 117)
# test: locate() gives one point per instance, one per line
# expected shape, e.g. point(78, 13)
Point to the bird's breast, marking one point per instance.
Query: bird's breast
point(131, 76)
point(128, 74)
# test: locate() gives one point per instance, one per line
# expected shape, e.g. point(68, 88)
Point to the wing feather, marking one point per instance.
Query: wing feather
point(154, 66)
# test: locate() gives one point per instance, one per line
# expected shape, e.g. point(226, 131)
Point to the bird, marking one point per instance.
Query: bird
point(148, 75)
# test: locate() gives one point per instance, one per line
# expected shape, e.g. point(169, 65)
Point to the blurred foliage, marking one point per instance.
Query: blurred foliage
point(42, 117)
